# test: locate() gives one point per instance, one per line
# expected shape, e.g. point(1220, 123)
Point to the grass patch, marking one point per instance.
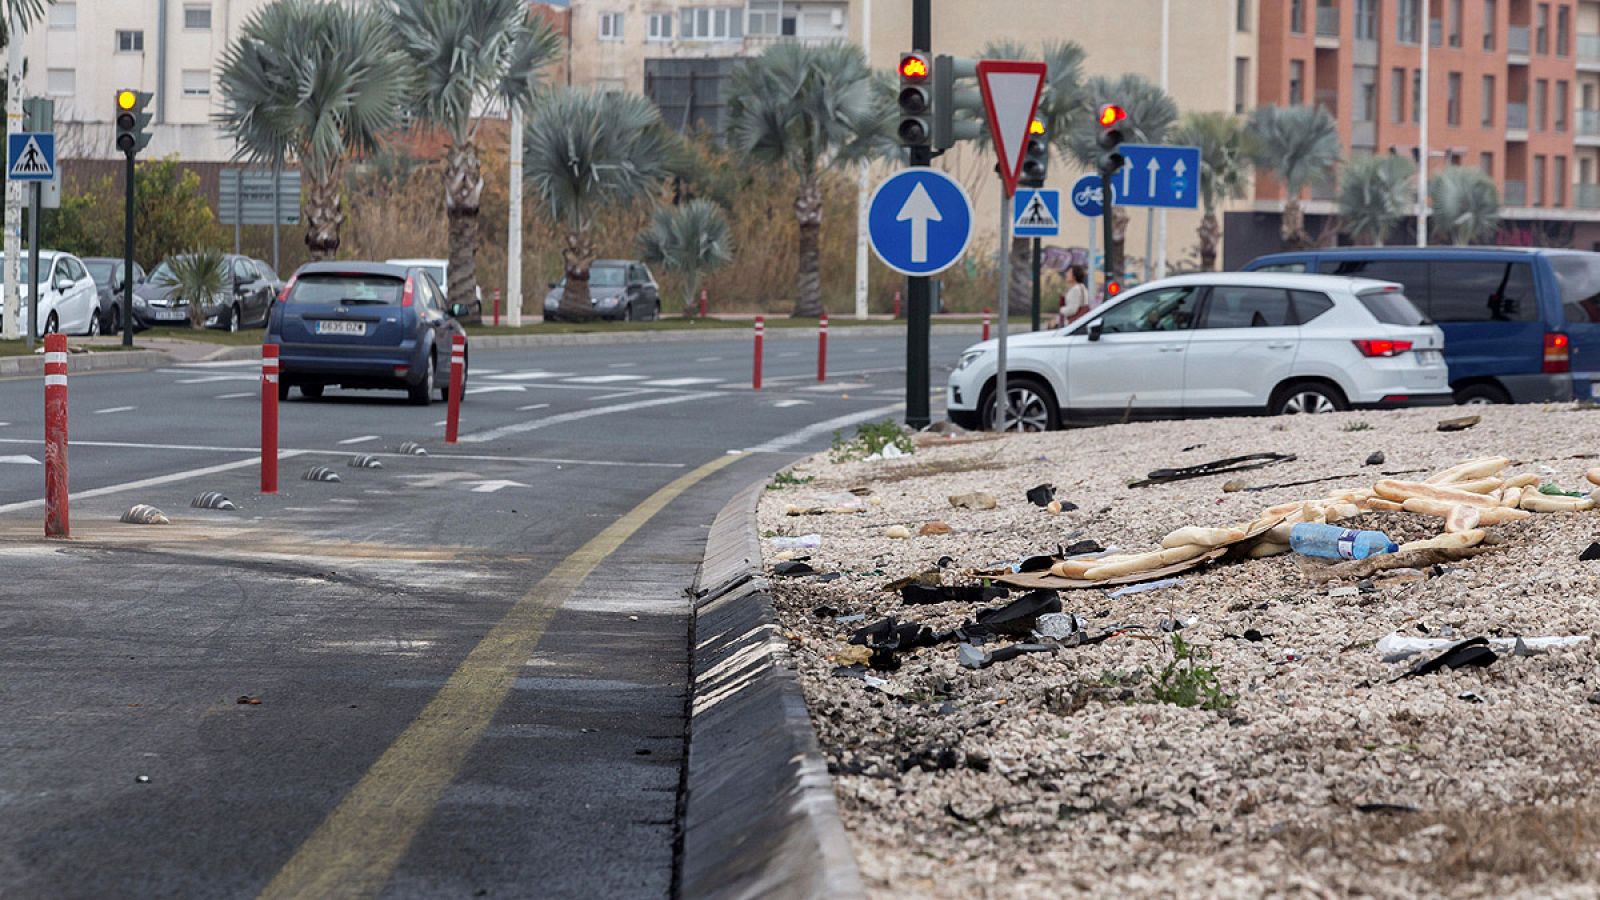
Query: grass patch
point(1356, 426)
point(249, 337)
point(870, 438)
point(1184, 683)
point(787, 478)
point(20, 348)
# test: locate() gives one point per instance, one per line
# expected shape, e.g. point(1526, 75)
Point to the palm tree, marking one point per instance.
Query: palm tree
point(311, 81)
point(1374, 194)
point(1151, 112)
point(805, 108)
point(587, 150)
point(1298, 144)
point(1060, 104)
point(1466, 205)
point(1225, 147)
point(196, 278)
point(469, 54)
point(691, 239)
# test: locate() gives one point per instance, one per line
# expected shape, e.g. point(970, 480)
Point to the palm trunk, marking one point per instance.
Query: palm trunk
point(1020, 290)
point(577, 255)
point(691, 291)
point(463, 191)
point(1210, 234)
point(808, 213)
point(1119, 240)
point(324, 215)
point(1293, 229)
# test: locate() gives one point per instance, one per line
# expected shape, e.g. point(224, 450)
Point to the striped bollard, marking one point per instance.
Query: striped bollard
point(458, 372)
point(56, 522)
point(986, 315)
point(761, 328)
point(822, 348)
point(269, 418)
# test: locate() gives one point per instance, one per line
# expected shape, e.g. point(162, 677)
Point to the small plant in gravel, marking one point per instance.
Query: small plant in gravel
point(870, 439)
point(1356, 426)
point(1185, 683)
point(787, 478)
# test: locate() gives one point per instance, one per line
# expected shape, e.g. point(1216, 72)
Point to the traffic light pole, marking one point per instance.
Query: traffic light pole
point(127, 258)
point(1106, 204)
point(918, 296)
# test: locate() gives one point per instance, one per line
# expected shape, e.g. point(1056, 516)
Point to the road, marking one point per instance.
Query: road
point(470, 665)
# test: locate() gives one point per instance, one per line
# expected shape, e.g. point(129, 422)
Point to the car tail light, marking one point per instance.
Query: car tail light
point(402, 371)
point(1382, 347)
point(407, 298)
point(284, 296)
point(1557, 357)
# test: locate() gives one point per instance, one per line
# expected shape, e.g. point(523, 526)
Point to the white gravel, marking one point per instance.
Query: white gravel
point(1059, 773)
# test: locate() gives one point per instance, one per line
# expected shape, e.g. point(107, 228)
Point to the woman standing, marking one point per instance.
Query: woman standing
point(1076, 301)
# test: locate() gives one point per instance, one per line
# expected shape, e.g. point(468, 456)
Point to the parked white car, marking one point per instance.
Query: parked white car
point(1215, 343)
point(440, 270)
point(68, 299)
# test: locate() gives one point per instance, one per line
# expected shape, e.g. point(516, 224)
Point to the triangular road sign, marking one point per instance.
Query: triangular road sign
point(1010, 97)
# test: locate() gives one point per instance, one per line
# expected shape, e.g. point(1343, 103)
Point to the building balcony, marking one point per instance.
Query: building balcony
point(1328, 26)
point(1587, 128)
point(1517, 117)
point(1589, 52)
point(1518, 41)
point(1515, 193)
point(758, 42)
point(1586, 196)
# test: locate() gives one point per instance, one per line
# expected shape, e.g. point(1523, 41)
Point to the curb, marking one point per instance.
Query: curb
point(760, 819)
point(87, 362)
point(688, 335)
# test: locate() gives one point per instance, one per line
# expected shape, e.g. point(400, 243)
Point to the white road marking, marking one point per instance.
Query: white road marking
point(208, 379)
point(785, 404)
point(618, 396)
point(364, 439)
point(532, 375)
point(830, 388)
point(305, 451)
point(496, 389)
point(621, 365)
point(790, 353)
point(605, 379)
point(709, 359)
point(151, 482)
point(795, 438)
point(224, 364)
point(238, 396)
point(680, 382)
point(21, 460)
point(563, 418)
point(490, 487)
point(441, 423)
point(532, 406)
point(115, 409)
point(853, 372)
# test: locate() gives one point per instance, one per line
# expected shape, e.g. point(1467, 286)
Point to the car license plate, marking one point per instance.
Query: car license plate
point(1594, 389)
point(1430, 357)
point(171, 315)
point(329, 326)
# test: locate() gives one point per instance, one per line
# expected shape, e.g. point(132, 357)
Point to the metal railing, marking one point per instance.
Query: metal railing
point(763, 41)
point(1589, 122)
point(1515, 194)
point(1589, 48)
point(1586, 196)
point(1518, 40)
point(1516, 117)
point(1328, 21)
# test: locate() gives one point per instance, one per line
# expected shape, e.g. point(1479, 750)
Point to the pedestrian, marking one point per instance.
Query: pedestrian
point(1076, 301)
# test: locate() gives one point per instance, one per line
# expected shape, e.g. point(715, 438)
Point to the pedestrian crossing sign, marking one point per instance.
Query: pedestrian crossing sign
point(31, 156)
point(1036, 213)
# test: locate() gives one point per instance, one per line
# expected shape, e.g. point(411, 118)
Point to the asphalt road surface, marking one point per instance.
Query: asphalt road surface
point(470, 666)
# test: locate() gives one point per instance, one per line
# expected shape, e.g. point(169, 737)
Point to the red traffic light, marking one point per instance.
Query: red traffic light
point(914, 67)
point(1113, 289)
point(1111, 114)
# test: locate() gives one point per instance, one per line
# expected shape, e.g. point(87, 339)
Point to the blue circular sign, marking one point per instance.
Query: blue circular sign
point(1086, 197)
point(919, 221)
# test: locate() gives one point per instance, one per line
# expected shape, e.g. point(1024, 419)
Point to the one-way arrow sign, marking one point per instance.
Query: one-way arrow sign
point(1159, 176)
point(919, 211)
point(919, 221)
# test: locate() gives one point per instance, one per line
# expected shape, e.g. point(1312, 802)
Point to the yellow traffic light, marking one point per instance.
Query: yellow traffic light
point(126, 99)
point(1036, 127)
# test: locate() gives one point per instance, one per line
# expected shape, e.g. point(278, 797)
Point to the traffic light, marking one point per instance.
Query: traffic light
point(916, 100)
point(1112, 289)
point(957, 108)
point(1112, 120)
point(1036, 159)
point(133, 123)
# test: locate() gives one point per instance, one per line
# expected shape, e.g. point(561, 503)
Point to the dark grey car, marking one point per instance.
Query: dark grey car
point(246, 300)
point(107, 274)
point(621, 289)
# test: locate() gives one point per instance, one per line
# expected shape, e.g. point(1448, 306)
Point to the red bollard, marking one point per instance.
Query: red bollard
point(702, 303)
point(897, 304)
point(269, 418)
point(497, 307)
point(761, 329)
point(986, 314)
point(822, 348)
point(55, 436)
point(458, 375)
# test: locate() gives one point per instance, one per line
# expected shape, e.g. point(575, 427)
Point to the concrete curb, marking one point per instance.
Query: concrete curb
point(760, 818)
point(87, 362)
point(688, 335)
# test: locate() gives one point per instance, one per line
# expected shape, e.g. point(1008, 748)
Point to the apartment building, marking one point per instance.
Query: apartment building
point(1513, 89)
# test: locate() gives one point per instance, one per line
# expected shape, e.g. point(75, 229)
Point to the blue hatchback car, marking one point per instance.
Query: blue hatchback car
point(363, 325)
point(1520, 324)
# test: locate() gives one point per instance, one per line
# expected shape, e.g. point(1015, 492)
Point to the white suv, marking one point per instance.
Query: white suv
point(1215, 343)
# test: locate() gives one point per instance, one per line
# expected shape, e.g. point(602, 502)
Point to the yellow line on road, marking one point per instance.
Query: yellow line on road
point(355, 850)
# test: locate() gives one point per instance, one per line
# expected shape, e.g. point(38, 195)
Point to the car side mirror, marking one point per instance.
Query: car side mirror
point(457, 310)
point(1094, 330)
point(552, 285)
point(63, 283)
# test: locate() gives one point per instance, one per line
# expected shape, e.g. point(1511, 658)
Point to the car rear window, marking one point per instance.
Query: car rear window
point(1488, 291)
point(1310, 304)
point(1392, 308)
point(1412, 274)
point(331, 289)
point(1578, 276)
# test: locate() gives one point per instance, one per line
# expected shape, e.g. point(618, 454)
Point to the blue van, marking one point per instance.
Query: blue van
point(1521, 325)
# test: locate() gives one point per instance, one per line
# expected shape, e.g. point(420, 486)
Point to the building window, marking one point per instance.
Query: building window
point(1488, 24)
point(1241, 84)
point(1537, 194)
point(1452, 109)
point(1541, 104)
point(1488, 101)
point(1241, 15)
point(130, 42)
point(1541, 30)
point(1562, 101)
point(720, 23)
point(61, 82)
point(1406, 24)
point(1416, 96)
point(196, 82)
point(1297, 82)
point(611, 26)
point(1563, 30)
point(1560, 181)
point(64, 17)
point(197, 17)
point(1486, 163)
point(1367, 111)
point(660, 27)
point(1397, 95)
point(1455, 23)
point(1366, 20)
point(1297, 16)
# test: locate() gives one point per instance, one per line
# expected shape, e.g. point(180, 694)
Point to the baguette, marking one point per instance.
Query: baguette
point(1203, 537)
point(1074, 568)
point(1268, 548)
point(1401, 491)
point(1497, 515)
point(1458, 541)
point(1593, 475)
point(1501, 515)
point(1341, 511)
point(1144, 562)
point(1470, 470)
point(1526, 479)
point(1461, 518)
point(1378, 504)
point(1510, 497)
point(1480, 486)
point(1533, 501)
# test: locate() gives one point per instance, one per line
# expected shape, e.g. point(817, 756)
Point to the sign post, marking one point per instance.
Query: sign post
point(31, 158)
point(1036, 213)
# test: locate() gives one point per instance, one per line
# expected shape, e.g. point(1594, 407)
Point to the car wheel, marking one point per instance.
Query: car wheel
point(655, 315)
point(627, 312)
point(311, 390)
point(1032, 407)
point(94, 324)
point(233, 320)
point(1307, 398)
point(421, 394)
point(1482, 395)
point(115, 319)
point(52, 324)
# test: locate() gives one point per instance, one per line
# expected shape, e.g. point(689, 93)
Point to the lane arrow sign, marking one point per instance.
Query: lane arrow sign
point(1153, 168)
point(1178, 183)
point(919, 210)
point(489, 487)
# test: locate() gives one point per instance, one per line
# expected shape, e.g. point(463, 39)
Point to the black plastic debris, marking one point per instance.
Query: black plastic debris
point(919, 594)
point(1460, 424)
point(945, 562)
point(793, 568)
point(1215, 467)
point(824, 612)
point(1469, 696)
point(1386, 808)
point(1036, 564)
point(1473, 653)
point(928, 577)
point(1591, 554)
point(1376, 459)
point(1082, 547)
point(827, 577)
point(1191, 447)
point(1015, 618)
point(1041, 495)
point(891, 634)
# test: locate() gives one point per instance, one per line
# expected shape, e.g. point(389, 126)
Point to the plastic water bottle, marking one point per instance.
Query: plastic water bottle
point(1333, 542)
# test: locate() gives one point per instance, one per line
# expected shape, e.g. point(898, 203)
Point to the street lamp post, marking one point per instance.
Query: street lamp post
point(1422, 128)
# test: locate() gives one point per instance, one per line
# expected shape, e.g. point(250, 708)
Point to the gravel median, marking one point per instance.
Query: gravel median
point(1305, 765)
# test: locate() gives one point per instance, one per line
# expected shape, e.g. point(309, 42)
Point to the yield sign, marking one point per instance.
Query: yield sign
point(1010, 97)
